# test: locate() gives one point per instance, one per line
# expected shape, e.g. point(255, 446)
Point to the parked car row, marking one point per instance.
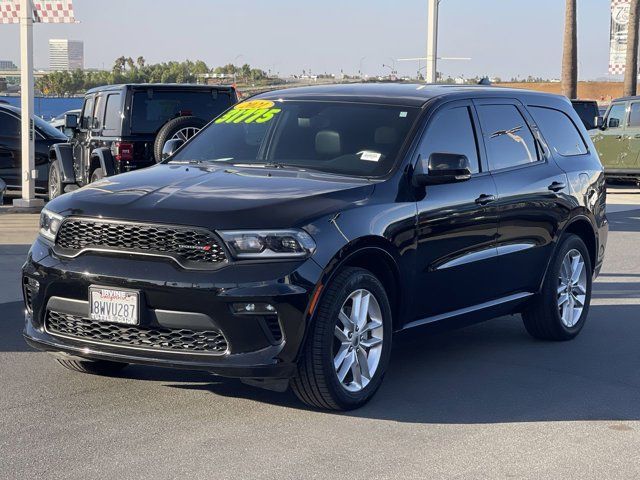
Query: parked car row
point(120, 128)
point(289, 240)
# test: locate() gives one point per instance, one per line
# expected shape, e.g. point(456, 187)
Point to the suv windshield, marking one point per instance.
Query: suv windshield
point(151, 109)
point(335, 137)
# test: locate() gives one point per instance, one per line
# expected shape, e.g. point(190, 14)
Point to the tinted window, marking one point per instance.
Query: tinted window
point(87, 114)
point(9, 125)
point(587, 111)
point(634, 115)
point(616, 113)
point(452, 132)
point(153, 108)
point(507, 136)
point(334, 137)
point(113, 113)
point(559, 131)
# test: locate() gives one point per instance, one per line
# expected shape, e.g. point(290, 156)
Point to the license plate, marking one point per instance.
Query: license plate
point(111, 305)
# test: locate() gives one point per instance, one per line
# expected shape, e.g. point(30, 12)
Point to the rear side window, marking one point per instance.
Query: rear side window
point(634, 115)
point(452, 132)
point(113, 113)
point(507, 136)
point(9, 125)
point(151, 109)
point(615, 118)
point(558, 129)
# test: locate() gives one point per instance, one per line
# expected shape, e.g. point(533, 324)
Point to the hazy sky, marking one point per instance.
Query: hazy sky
point(503, 37)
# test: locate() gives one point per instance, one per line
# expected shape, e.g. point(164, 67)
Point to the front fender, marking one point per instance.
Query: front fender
point(63, 153)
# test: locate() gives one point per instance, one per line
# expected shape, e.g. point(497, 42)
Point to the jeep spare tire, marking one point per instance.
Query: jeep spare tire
point(182, 128)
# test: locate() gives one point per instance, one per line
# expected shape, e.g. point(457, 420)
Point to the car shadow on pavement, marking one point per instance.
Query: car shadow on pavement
point(624, 221)
point(495, 373)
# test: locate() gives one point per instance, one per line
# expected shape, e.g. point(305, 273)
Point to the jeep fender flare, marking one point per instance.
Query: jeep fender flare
point(63, 153)
point(105, 159)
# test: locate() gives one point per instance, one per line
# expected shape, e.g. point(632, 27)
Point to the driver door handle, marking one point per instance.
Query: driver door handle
point(484, 199)
point(557, 186)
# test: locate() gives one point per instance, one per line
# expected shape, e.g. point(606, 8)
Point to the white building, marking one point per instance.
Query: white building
point(66, 54)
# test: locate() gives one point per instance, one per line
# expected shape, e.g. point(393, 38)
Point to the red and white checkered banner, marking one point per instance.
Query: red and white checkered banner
point(44, 11)
point(618, 36)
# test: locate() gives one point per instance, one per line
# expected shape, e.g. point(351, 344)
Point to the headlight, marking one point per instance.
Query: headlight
point(269, 243)
point(49, 224)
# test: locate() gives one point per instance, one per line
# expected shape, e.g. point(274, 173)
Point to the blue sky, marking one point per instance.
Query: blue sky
point(503, 37)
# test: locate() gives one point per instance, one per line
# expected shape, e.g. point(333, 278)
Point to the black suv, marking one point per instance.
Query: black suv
point(124, 127)
point(11, 149)
point(291, 238)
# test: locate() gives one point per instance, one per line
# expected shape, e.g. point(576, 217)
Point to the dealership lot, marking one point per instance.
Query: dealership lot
point(483, 402)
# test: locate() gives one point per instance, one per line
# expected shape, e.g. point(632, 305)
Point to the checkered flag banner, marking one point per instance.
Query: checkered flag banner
point(44, 11)
point(618, 36)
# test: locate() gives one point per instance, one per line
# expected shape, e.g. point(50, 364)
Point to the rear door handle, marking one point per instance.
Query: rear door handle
point(484, 199)
point(557, 186)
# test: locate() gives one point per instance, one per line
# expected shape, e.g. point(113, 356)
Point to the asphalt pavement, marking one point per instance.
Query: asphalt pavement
point(482, 402)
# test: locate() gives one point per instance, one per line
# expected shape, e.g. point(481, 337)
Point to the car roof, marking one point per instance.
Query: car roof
point(123, 86)
point(625, 99)
point(404, 94)
point(11, 108)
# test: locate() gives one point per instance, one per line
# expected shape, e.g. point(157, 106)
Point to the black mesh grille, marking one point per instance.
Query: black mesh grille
point(205, 341)
point(28, 294)
point(188, 246)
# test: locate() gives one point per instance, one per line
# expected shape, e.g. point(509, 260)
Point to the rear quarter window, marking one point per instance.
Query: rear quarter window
point(559, 131)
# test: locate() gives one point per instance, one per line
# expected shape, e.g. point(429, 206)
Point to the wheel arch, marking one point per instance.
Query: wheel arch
point(377, 255)
point(581, 226)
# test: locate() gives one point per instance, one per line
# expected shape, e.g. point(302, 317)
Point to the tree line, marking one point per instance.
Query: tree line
point(128, 70)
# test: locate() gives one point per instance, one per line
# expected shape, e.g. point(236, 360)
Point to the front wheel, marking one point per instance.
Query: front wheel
point(54, 182)
point(349, 344)
point(560, 310)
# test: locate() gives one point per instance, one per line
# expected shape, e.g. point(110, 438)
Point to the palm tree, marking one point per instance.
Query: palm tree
point(631, 70)
point(570, 53)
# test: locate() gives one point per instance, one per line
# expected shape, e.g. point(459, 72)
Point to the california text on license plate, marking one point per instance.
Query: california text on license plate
point(110, 305)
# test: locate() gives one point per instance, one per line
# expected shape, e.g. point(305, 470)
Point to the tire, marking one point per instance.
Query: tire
point(93, 367)
point(316, 382)
point(97, 174)
point(172, 128)
point(54, 182)
point(543, 318)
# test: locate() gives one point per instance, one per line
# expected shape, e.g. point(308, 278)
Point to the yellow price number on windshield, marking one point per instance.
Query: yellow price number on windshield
point(252, 111)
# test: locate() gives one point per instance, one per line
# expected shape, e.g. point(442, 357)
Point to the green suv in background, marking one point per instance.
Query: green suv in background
point(617, 140)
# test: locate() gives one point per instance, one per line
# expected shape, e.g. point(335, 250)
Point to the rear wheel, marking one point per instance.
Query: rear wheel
point(56, 187)
point(561, 309)
point(349, 344)
point(94, 367)
point(97, 175)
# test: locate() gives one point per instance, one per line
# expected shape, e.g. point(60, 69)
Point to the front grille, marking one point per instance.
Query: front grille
point(175, 340)
point(274, 327)
point(191, 247)
point(29, 293)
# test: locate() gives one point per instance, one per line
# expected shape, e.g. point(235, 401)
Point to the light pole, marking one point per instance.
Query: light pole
point(360, 69)
point(26, 88)
point(432, 41)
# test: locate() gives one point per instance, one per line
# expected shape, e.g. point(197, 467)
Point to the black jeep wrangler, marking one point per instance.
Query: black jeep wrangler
point(124, 127)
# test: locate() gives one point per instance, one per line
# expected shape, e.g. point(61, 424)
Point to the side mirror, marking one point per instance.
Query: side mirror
point(613, 123)
point(442, 168)
point(170, 147)
point(71, 121)
point(598, 122)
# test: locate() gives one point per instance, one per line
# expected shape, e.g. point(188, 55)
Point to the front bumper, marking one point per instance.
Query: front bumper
point(175, 299)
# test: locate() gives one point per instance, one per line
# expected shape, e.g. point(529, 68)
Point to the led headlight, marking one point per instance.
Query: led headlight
point(49, 224)
point(247, 244)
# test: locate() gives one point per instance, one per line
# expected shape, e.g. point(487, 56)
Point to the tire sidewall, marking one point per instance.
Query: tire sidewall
point(170, 128)
point(360, 279)
point(53, 166)
point(571, 242)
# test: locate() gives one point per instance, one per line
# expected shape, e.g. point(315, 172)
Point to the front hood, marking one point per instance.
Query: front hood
point(220, 197)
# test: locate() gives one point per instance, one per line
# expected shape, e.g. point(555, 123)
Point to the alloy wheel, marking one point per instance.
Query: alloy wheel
point(185, 133)
point(572, 288)
point(358, 339)
point(53, 183)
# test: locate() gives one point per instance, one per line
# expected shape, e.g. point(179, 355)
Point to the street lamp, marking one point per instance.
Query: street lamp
point(360, 69)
